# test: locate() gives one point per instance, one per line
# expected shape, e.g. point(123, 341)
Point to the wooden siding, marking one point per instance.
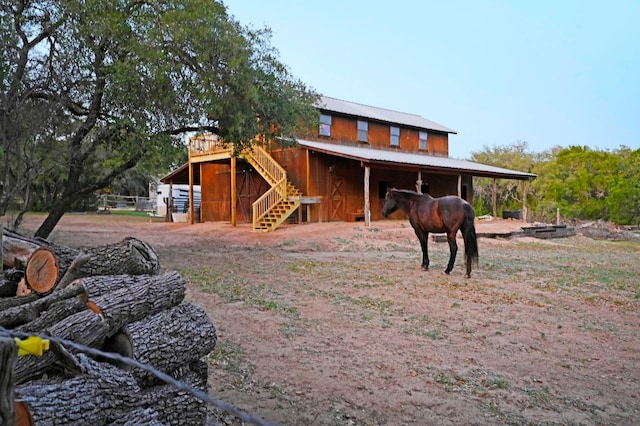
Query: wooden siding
point(345, 130)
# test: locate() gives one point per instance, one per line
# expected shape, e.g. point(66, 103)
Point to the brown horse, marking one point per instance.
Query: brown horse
point(444, 214)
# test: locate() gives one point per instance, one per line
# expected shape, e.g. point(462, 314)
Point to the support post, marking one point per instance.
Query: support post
point(233, 192)
point(367, 206)
point(419, 183)
point(494, 198)
point(191, 197)
point(459, 185)
point(525, 187)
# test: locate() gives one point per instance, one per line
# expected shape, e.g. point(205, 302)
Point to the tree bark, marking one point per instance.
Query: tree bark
point(97, 396)
point(176, 407)
point(104, 284)
point(134, 303)
point(171, 339)
point(22, 314)
point(8, 356)
point(85, 328)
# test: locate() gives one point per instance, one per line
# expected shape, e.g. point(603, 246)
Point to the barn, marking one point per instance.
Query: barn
point(339, 173)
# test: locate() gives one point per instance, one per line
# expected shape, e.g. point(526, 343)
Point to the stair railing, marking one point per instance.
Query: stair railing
point(269, 200)
point(271, 170)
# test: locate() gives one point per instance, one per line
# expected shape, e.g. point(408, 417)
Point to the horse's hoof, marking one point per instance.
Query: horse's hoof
point(447, 272)
point(467, 276)
point(425, 268)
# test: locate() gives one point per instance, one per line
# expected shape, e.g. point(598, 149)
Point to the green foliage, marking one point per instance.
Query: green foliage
point(116, 86)
point(581, 182)
point(509, 192)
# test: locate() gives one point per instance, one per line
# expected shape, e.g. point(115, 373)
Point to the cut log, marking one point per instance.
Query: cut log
point(42, 271)
point(139, 417)
point(8, 356)
point(97, 396)
point(178, 407)
point(16, 250)
point(22, 314)
point(103, 284)
point(145, 298)
point(55, 313)
point(171, 339)
point(129, 256)
point(85, 328)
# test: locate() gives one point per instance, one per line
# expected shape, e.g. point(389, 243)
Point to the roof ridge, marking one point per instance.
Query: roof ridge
point(376, 107)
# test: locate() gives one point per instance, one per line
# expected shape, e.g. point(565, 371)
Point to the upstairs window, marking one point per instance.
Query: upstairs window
point(325, 125)
point(395, 136)
point(363, 131)
point(423, 141)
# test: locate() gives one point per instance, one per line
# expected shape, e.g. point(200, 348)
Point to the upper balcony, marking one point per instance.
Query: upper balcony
point(208, 147)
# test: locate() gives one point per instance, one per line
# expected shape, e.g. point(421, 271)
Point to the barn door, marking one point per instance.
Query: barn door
point(249, 188)
point(337, 206)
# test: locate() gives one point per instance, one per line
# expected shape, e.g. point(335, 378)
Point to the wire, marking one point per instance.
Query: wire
point(159, 374)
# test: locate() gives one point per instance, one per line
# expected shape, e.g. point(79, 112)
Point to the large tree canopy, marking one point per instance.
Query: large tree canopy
point(90, 88)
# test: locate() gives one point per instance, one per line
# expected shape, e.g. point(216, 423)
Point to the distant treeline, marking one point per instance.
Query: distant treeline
point(584, 183)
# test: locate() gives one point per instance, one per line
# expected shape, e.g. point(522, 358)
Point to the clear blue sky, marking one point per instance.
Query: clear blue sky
point(548, 72)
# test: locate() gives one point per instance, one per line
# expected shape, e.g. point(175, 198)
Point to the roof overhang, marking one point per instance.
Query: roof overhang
point(398, 159)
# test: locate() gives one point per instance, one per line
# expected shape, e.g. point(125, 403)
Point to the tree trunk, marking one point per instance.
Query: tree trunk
point(8, 356)
point(97, 396)
point(177, 407)
point(55, 214)
point(85, 328)
point(131, 304)
point(100, 285)
point(171, 339)
point(22, 314)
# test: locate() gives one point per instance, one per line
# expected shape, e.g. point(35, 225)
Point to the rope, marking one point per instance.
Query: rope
point(159, 374)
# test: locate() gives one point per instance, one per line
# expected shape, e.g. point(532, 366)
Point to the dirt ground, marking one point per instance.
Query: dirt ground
point(336, 324)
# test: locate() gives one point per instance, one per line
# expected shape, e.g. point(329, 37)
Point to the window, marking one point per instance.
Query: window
point(423, 141)
point(382, 189)
point(395, 136)
point(363, 131)
point(325, 125)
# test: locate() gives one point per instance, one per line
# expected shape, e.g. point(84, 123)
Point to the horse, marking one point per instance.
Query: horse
point(444, 214)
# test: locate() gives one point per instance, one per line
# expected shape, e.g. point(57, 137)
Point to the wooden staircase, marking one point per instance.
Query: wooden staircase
point(281, 200)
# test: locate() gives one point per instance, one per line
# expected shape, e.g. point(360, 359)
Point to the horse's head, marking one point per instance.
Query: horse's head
point(390, 204)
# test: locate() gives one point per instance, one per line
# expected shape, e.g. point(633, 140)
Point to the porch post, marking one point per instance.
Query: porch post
point(419, 182)
point(494, 197)
point(525, 187)
point(367, 207)
point(459, 185)
point(233, 191)
point(191, 209)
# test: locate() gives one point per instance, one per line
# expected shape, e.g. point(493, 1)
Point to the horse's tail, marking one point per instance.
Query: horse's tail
point(469, 234)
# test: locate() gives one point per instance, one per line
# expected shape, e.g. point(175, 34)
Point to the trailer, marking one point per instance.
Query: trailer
point(179, 200)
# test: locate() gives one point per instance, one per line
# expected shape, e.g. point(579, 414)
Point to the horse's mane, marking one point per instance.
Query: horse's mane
point(410, 192)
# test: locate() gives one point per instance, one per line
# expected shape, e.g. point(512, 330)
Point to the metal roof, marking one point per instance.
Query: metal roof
point(424, 161)
point(379, 114)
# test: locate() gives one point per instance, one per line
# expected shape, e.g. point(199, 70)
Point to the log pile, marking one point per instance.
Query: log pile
point(112, 299)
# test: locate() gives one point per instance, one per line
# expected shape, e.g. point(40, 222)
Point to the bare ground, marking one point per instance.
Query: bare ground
point(335, 323)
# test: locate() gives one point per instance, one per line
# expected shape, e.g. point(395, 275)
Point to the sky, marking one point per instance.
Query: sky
point(547, 72)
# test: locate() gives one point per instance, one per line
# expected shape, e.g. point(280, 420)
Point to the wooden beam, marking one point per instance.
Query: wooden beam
point(419, 182)
point(367, 206)
point(525, 187)
point(191, 208)
point(494, 198)
point(233, 192)
point(459, 185)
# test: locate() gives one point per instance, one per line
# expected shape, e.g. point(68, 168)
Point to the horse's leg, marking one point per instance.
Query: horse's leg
point(424, 238)
point(453, 250)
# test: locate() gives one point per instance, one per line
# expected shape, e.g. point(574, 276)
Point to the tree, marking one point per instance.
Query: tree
point(509, 192)
point(123, 81)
